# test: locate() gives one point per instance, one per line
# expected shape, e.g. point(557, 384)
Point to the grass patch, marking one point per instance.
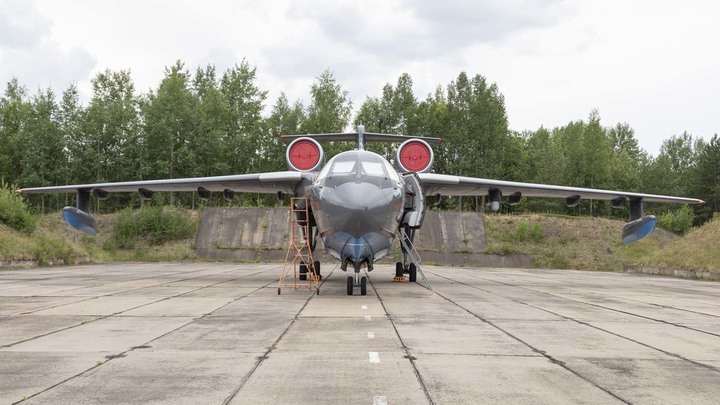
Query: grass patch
point(697, 250)
point(151, 225)
point(560, 241)
point(13, 211)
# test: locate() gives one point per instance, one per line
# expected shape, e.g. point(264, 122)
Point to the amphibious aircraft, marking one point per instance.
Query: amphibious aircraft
point(359, 202)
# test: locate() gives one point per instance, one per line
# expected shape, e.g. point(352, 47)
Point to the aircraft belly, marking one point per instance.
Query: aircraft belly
point(369, 247)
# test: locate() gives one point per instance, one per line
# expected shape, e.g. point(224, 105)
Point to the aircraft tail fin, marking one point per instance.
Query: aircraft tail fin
point(360, 137)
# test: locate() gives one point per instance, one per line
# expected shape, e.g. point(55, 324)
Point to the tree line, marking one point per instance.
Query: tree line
point(207, 123)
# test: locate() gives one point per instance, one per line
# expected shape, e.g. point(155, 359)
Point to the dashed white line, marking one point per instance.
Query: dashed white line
point(379, 400)
point(374, 357)
point(371, 335)
point(364, 307)
point(368, 318)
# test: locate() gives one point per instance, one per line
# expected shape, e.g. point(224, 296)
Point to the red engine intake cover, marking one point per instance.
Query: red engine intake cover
point(415, 156)
point(304, 154)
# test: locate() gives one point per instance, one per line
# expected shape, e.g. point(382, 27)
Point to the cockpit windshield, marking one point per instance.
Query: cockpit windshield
point(362, 163)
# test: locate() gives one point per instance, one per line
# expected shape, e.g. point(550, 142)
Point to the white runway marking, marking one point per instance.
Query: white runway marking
point(374, 357)
point(379, 400)
point(371, 335)
point(368, 318)
point(364, 307)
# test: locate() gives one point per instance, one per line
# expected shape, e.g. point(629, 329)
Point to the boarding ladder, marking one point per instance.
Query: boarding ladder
point(299, 253)
point(414, 256)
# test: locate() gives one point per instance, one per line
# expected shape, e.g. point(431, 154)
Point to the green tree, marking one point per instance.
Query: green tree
point(284, 119)
point(42, 147)
point(706, 179)
point(106, 129)
point(329, 111)
point(14, 111)
point(209, 130)
point(243, 121)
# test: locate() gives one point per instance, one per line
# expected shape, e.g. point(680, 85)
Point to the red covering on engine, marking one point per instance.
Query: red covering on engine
point(304, 155)
point(415, 156)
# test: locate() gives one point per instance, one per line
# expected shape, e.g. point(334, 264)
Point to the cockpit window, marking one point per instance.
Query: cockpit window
point(366, 164)
point(343, 167)
point(391, 172)
point(373, 169)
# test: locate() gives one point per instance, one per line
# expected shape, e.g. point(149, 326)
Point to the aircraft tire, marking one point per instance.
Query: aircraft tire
point(363, 286)
point(303, 272)
point(399, 270)
point(412, 272)
point(350, 286)
point(316, 264)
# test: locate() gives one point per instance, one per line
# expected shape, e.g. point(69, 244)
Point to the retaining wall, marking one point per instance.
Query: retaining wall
point(260, 234)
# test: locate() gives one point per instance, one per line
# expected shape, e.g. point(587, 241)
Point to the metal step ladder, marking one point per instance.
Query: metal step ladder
point(414, 257)
point(299, 252)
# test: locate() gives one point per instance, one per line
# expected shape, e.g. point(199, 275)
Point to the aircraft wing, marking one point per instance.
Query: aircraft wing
point(243, 183)
point(449, 185)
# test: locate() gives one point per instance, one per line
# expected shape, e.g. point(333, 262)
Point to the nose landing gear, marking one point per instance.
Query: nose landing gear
point(355, 281)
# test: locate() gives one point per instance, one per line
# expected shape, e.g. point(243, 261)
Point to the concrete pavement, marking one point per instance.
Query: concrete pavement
point(218, 333)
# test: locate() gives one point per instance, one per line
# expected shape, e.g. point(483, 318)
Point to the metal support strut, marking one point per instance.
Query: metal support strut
point(409, 252)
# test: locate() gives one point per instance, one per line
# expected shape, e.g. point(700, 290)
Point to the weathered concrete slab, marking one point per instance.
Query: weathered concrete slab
point(220, 333)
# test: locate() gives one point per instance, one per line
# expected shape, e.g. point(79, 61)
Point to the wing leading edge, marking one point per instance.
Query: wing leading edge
point(271, 182)
point(639, 226)
point(79, 218)
point(449, 185)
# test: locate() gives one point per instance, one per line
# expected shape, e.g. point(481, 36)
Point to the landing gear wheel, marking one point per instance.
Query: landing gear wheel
point(316, 264)
point(278, 290)
point(399, 270)
point(317, 291)
point(363, 286)
point(412, 271)
point(350, 285)
point(303, 272)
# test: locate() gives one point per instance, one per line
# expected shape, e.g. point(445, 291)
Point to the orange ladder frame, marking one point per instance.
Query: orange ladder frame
point(299, 251)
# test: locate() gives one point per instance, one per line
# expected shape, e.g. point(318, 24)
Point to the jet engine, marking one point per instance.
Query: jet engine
point(414, 155)
point(305, 155)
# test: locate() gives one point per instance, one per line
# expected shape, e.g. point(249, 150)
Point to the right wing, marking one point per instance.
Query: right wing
point(79, 218)
point(271, 182)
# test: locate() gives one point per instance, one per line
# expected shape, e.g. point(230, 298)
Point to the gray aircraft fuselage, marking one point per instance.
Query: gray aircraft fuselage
point(357, 200)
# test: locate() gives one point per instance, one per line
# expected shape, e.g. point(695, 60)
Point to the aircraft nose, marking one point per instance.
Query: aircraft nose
point(358, 208)
point(362, 196)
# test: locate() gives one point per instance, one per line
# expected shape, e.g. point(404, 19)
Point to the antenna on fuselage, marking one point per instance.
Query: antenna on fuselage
point(361, 137)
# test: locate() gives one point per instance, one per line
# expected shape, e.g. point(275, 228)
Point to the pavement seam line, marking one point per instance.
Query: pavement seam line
point(272, 347)
point(592, 305)
point(534, 349)
point(121, 354)
point(405, 348)
point(101, 317)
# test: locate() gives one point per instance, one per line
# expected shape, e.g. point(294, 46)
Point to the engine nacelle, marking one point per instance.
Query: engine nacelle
point(414, 155)
point(305, 155)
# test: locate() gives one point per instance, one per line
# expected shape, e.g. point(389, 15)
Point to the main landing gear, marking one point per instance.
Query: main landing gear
point(410, 270)
point(352, 282)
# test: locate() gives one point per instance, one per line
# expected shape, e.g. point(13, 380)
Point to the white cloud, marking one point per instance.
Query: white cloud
point(27, 52)
point(649, 63)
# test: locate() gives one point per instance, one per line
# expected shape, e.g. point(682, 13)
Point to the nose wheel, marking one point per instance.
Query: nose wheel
point(353, 282)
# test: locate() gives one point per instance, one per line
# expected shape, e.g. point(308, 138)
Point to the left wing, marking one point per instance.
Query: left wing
point(444, 184)
point(639, 226)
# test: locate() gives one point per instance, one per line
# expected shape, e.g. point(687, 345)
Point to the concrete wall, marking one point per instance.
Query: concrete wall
point(260, 234)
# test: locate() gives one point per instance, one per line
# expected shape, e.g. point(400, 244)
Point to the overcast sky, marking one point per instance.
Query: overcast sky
point(652, 64)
